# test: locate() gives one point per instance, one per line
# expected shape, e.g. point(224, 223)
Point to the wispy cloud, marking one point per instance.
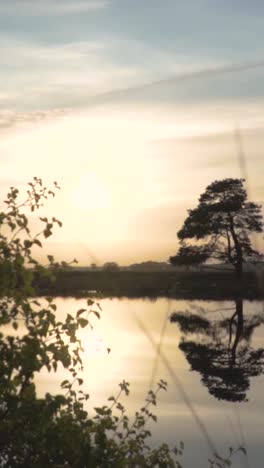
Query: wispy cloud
point(39, 76)
point(51, 7)
point(39, 80)
point(10, 118)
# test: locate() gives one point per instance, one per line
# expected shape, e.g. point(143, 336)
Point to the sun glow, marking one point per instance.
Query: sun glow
point(91, 193)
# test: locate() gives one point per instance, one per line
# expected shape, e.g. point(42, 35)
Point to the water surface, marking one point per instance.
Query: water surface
point(232, 416)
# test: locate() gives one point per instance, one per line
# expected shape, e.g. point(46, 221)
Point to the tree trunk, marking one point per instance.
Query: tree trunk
point(239, 254)
point(239, 329)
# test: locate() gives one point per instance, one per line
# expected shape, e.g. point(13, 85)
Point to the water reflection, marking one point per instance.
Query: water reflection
point(221, 349)
point(132, 358)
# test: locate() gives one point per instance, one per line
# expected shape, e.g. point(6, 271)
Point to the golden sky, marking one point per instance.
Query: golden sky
point(114, 108)
point(127, 175)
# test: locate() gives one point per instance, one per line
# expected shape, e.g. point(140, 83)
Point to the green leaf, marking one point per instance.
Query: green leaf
point(83, 322)
point(65, 383)
point(47, 233)
point(97, 314)
point(27, 243)
point(80, 311)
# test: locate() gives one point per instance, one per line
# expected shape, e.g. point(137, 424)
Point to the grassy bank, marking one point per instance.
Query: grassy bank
point(187, 285)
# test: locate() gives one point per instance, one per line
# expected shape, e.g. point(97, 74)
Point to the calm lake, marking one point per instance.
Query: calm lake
point(215, 349)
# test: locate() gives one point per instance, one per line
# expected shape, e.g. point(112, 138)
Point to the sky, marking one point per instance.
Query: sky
point(132, 107)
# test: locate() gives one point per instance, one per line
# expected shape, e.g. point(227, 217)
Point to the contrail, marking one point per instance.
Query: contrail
point(197, 74)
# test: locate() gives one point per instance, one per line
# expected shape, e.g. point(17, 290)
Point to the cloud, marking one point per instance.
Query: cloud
point(51, 7)
point(10, 118)
point(113, 70)
point(87, 72)
point(149, 191)
point(79, 74)
point(38, 76)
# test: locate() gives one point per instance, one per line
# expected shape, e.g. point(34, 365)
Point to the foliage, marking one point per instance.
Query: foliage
point(190, 255)
point(223, 221)
point(110, 266)
point(224, 462)
point(55, 430)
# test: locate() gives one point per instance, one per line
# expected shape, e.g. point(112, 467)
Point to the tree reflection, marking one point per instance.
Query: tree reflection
point(221, 350)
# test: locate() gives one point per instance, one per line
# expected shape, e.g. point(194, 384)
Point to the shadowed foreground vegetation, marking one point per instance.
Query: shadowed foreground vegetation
point(56, 430)
point(184, 285)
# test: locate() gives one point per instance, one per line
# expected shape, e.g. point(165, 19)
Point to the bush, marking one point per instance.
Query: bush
point(56, 430)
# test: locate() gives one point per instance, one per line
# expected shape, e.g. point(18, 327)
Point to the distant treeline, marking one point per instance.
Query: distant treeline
point(151, 265)
point(142, 266)
point(186, 285)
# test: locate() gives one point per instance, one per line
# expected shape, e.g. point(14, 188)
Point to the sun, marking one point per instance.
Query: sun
point(91, 193)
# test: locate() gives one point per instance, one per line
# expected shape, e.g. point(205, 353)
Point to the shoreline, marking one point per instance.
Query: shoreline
point(187, 285)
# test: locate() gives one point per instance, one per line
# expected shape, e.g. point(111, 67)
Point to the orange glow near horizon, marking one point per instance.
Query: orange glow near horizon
point(127, 175)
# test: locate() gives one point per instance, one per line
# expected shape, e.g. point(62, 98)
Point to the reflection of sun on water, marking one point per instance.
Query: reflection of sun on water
point(91, 193)
point(94, 345)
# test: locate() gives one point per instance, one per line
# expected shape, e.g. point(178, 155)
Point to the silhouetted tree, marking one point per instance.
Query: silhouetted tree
point(221, 351)
point(110, 266)
point(223, 221)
